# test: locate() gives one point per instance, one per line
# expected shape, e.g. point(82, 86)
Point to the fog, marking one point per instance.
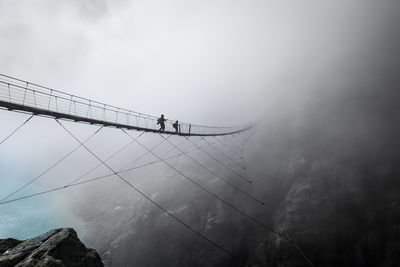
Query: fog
point(189, 59)
point(321, 76)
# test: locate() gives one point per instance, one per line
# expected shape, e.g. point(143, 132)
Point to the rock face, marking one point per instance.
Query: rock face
point(58, 247)
point(328, 170)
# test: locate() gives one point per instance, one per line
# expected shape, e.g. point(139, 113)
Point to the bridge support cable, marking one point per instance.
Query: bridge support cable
point(96, 178)
point(173, 148)
point(227, 167)
point(293, 243)
point(16, 130)
point(56, 189)
point(239, 146)
point(206, 168)
point(222, 163)
point(218, 176)
point(106, 160)
point(112, 174)
point(51, 167)
point(249, 134)
point(242, 138)
point(227, 156)
point(242, 152)
point(123, 170)
point(168, 152)
point(214, 195)
point(239, 259)
point(235, 142)
point(228, 148)
point(301, 252)
point(242, 159)
point(126, 166)
point(259, 223)
point(152, 148)
point(238, 139)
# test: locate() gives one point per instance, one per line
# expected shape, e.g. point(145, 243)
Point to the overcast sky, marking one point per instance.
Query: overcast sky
point(207, 62)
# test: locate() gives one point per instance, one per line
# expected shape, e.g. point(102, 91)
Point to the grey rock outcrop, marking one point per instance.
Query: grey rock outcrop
point(58, 247)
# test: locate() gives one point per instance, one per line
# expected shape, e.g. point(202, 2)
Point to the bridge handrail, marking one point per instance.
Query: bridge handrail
point(33, 95)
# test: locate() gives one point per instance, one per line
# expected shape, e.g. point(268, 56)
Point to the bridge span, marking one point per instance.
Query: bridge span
point(24, 96)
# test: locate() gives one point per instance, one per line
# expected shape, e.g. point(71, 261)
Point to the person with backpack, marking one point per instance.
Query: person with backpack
point(161, 121)
point(176, 126)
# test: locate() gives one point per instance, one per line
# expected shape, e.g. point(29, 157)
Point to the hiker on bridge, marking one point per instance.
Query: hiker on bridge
point(161, 121)
point(176, 126)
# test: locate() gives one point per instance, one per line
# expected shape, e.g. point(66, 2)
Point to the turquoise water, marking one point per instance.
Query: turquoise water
point(25, 219)
point(32, 216)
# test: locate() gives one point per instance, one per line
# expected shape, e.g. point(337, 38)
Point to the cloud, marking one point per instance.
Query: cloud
point(200, 62)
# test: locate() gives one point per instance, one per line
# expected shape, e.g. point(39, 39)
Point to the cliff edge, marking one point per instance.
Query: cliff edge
point(58, 247)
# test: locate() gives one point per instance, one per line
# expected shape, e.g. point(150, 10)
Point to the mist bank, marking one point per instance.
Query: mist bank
point(326, 167)
point(331, 174)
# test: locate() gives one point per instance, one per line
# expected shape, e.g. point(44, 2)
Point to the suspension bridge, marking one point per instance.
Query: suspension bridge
point(22, 96)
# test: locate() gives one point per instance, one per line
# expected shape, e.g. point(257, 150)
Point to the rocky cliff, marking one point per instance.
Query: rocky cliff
point(329, 176)
point(327, 165)
point(58, 247)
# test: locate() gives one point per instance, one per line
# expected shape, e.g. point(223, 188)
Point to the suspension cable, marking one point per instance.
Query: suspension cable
point(156, 203)
point(51, 167)
point(144, 154)
point(4, 200)
point(19, 127)
point(292, 242)
point(225, 155)
point(219, 177)
point(301, 252)
point(204, 167)
point(220, 162)
point(97, 178)
point(106, 160)
point(242, 138)
point(269, 228)
point(172, 149)
point(226, 146)
point(235, 142)
point(287, 238)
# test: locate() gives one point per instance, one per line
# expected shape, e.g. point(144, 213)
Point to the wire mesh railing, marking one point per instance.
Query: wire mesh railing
point(25, 94)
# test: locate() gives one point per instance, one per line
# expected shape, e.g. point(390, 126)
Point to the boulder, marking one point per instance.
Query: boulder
point(58, 247)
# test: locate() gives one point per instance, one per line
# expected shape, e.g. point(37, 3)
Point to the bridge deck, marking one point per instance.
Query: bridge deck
point(24, 96)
